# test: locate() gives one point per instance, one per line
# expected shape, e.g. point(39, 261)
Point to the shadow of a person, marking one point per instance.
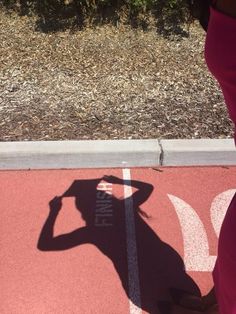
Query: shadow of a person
point(161, 269)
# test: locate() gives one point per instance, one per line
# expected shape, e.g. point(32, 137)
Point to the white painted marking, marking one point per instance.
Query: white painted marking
point(104, 210)
point(100, 221)
point(105, 186)
point(132, 258)
point(219, 208)
point(196, 248)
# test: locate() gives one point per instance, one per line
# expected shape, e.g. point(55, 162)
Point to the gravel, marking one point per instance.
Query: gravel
point(105, 83)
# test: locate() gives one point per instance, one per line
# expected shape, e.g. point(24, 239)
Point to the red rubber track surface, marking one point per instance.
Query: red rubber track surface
point(47, 268)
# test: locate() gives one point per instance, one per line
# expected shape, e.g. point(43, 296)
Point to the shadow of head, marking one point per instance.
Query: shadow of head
point(86, 193)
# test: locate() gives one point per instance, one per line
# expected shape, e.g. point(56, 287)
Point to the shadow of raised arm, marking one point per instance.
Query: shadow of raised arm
point(140, 196)
point(47, 241)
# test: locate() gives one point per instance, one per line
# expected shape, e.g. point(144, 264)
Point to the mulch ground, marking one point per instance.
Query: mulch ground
point(105, 83)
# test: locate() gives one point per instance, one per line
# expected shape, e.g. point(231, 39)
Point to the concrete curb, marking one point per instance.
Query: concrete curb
point(116, 153)
point(198, 152)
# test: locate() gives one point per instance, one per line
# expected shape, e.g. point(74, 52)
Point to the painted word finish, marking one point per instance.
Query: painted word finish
point(196, 246)
point(103, 209)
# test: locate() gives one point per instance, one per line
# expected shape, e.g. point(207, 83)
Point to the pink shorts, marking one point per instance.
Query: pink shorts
point(220, 55)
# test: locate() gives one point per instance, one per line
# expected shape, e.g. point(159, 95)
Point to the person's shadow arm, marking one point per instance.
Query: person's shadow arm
point(143, 192)
point(47, 242)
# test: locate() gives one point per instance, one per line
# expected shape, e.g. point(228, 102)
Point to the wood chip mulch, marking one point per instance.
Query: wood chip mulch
point(105, 83)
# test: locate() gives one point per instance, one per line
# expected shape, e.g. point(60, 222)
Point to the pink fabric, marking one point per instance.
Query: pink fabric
point(220, 55)
point(224, 274)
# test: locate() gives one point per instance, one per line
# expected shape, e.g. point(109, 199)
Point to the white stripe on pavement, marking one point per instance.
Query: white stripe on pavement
point(132, 258)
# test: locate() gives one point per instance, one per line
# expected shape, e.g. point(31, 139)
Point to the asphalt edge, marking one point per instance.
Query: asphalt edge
point(116, 154)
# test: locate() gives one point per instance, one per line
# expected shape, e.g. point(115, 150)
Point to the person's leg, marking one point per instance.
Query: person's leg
point(224, 274)
point(220, 52)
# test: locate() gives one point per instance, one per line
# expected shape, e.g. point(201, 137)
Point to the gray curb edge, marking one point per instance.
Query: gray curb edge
point(116, 154)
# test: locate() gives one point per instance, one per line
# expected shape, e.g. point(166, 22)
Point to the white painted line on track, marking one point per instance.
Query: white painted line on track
point(132, 257)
